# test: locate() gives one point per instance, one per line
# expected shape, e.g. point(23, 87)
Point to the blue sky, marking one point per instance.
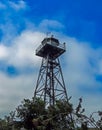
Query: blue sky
point(24, 24)
point(82, 19)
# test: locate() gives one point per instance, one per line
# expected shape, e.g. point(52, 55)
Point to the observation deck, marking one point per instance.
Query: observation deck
point(52, 47)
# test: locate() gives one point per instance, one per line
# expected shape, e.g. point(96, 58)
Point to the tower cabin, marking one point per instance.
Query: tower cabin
point(50, 47)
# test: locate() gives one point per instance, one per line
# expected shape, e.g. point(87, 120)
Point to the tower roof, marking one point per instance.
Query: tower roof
point(51, 39)
point(50, 46)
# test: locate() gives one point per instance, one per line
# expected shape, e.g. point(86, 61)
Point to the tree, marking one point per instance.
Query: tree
point(34, 114)
point(29, 110)
point(62, 116)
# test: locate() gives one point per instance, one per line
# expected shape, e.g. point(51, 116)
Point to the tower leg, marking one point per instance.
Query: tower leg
point(50, 84)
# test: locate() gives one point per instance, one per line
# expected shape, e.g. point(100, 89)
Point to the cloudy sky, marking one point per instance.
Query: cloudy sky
point(24, 24)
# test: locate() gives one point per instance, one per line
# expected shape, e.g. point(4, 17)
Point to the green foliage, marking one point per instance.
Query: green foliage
point(62, 115)
point(30, 109)
point(33, 114)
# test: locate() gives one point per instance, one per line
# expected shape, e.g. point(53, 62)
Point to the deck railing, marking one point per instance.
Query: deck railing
point(61, 46)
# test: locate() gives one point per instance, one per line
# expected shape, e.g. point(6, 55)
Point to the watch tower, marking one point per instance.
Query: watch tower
point(50, 83)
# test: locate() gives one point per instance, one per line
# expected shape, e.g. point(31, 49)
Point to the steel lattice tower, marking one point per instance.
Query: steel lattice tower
point(50, 83)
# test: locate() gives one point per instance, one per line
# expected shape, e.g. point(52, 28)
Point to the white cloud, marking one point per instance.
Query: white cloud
point(51, 25)
point(18, 6)
point(78, 59)
point(9, 31)
point(100, 66)
point(14, 90)
point(81, 65)
point(21, 53)
point(24, 48)
point(2, 6)
point(3, 52)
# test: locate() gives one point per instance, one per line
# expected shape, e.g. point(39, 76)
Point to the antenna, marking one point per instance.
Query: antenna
point(48, 34)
